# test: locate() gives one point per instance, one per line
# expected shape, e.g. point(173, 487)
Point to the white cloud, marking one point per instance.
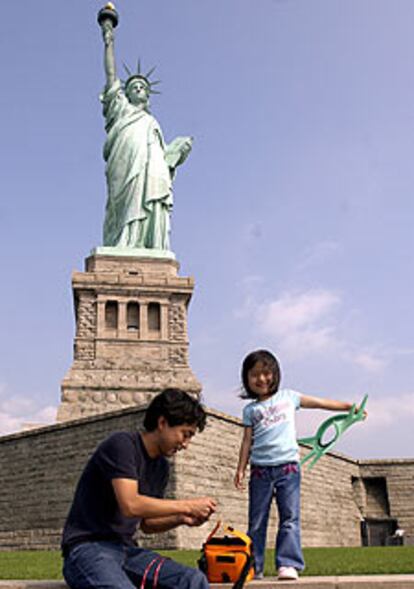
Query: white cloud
point(252, 280)
point(292, 312)
point(301, 322)
point(388, 430)
point(404, 352)
point(319, 253)
point(16, 405)
point(370, 361)
point(390, 411)
point(226, 400)
point(304, 323)
point(18, 412)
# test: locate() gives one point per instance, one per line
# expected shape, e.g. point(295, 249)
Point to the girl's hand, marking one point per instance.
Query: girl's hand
point(239, 480)
point(365, 413)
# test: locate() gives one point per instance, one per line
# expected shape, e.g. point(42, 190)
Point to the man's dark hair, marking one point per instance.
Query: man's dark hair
point(177, 407)
point(269, 361)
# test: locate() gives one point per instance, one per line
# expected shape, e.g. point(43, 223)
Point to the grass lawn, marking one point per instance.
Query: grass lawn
point(319, 561)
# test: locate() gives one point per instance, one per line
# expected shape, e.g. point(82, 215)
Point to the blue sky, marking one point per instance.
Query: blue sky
point(294, 212)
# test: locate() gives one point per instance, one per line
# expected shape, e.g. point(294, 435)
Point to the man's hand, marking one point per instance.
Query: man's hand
point(195, 513)
point(188, 520)
point(201, 508)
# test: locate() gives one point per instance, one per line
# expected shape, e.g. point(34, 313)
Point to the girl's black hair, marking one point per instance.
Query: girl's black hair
point(177, 407)
point(269, 361)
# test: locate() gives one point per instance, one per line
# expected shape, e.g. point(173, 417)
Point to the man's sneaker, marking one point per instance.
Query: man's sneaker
point(287, 574)
point(258, 576)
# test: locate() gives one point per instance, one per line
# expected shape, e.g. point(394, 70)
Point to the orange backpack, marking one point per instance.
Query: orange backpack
point(227, 559)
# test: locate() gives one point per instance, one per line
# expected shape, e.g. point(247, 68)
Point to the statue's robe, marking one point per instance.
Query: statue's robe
point(138, 176)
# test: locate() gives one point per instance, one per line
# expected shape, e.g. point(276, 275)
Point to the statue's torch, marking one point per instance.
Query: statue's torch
point(108, 13)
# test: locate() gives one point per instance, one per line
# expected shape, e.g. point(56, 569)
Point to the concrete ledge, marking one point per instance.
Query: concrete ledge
point(351, 582)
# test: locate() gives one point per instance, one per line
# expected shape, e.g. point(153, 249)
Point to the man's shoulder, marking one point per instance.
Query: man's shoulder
point(117, 456)
point(121, 439)
point(120, 436)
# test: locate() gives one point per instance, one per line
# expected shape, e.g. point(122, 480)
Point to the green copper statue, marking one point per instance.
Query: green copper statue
point(140, 167)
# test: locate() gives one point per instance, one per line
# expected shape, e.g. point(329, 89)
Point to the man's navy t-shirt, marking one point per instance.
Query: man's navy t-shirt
point(95, 514)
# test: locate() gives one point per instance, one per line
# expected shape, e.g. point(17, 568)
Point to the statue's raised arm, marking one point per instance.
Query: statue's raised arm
point(108, 20)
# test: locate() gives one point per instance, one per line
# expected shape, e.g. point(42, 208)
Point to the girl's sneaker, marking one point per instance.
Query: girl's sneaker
point(258, 576)
point(287, 574)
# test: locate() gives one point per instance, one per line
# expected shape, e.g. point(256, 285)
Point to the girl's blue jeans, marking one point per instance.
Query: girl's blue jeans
point(109, 565)
point(283, 483)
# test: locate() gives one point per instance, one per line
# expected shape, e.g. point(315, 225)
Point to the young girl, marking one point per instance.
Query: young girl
point(269, 440)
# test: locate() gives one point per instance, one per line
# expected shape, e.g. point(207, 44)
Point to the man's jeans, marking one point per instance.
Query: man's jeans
point(108, 565)
point(283, 483)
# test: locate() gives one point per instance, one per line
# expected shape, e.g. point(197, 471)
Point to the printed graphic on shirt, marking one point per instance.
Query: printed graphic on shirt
point(268, 416)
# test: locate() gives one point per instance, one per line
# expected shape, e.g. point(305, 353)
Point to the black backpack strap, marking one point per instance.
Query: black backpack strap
point(239, 584)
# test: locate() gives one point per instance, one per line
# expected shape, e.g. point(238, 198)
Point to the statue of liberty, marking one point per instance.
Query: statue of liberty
point(140, 166)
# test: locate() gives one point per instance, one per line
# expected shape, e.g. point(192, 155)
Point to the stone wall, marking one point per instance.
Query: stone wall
point(131, 338)
point(40, 469)
point(399, 480)
point(330, 515)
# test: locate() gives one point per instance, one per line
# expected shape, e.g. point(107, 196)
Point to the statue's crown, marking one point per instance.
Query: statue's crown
point(140, 76)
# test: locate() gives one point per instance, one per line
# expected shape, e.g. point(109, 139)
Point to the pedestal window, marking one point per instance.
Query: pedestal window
point(154, 317)
point(111, 315)
point(133, 316)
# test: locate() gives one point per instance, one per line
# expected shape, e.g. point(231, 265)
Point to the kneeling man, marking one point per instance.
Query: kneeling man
point(122, 486)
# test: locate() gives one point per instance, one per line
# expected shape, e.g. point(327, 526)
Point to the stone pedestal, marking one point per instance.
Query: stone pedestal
point(131, 337)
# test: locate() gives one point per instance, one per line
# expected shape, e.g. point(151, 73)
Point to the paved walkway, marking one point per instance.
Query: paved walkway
point(356, 582)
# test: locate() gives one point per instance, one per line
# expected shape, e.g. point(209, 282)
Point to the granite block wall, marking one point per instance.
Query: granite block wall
point(399, 481)
point(40, 469)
